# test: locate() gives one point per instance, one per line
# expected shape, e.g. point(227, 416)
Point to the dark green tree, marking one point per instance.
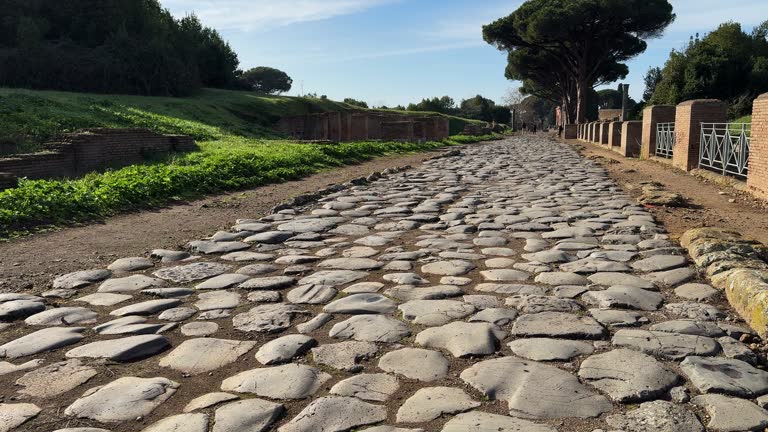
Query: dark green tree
point(357, 103)
point(478, 108)
point(651, 79)
point(109, 46)
point(576, 44)
point(267, 80)
point(501, 115)
point(727, 64)
point(445, 105)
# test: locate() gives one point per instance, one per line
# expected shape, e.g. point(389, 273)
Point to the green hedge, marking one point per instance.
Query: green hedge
point(226, 165)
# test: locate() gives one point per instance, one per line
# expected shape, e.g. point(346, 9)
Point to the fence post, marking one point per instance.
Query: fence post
point(595, 132)
point(570, 131)
point(757, 178)
point(688, 119)
point(614, 135)
point(652, 116)
point(631, 137)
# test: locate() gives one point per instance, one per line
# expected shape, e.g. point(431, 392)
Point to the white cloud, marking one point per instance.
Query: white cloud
point(706, 15)
point(249, 15)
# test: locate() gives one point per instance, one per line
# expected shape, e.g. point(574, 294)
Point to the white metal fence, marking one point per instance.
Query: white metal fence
point(724, 148)
point(665, 140)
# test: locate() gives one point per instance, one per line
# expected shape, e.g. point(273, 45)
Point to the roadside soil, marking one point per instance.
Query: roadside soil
point(32, 262)
point(709, 203)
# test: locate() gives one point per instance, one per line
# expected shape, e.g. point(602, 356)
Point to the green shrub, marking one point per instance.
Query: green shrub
point(224, 165)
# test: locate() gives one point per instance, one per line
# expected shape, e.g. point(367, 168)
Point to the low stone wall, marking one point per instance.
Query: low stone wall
point(737, 266)
point(76, 154)
point(356, 126)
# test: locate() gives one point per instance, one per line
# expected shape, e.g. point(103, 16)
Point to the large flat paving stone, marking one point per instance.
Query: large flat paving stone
point(43, 340)
point(196, 356)
point(250, 415)
point(123, 400)
point(344, 355)
point(674, 346)
point(371, 328)
point(430, 403)
point(726, 376)
point(544, 349)
point(656, 416)
point(285, 348)
point(55, 379)
point(370, 387)
point(13, 415)
point(415, 363)
point(478, 421)
point(81, 278)
point(558, 325)
point(624, 297)
point(323, 415)
point(333, 278)
point(463, 339)
point(365, 303)
point(729, 414)
point(290, 381)
point(267, 318)
point(435, 312)
point(627, 376)
point(121, 350)
point(192, 272)
point(534, 390)
point(197, 422)
point(62, 316)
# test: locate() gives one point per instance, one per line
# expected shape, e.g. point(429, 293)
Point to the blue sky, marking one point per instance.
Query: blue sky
point(399, 51)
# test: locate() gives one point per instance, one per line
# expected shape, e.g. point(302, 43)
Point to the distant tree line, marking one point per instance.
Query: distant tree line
point(476, 108)
point(113, 46)
point(727, 64)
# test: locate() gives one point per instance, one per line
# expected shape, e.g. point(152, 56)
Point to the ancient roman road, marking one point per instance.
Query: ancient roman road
point(510, 287)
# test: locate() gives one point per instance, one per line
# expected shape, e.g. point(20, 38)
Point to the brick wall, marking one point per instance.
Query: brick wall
point(652, 116)
point(609, 114)
point(397, 130)
point(336, 126)
point(89, 150)
point(631, 136)
point(757, 180)
point(614, 135)
point(688, 118)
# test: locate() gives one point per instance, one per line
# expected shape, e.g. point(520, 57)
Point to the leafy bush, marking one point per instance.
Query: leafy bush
point(229, 164)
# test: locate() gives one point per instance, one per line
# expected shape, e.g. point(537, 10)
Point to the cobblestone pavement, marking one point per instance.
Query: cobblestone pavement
point(512, 287)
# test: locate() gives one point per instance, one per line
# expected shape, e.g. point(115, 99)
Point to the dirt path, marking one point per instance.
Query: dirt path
point(709, 203)
point(30, 262)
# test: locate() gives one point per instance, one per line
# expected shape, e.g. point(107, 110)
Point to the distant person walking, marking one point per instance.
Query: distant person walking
point(534, 128)
point(525, 127)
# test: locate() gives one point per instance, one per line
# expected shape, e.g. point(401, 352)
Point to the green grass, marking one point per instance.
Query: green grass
point(29, 118)
point(237, 151)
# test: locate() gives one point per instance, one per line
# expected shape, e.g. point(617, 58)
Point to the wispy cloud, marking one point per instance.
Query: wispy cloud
point(249, 15)
point(468, 24)
point(706, 15)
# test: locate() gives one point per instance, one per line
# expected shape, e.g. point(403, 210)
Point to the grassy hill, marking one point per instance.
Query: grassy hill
point(29, 117)
point(238, 150)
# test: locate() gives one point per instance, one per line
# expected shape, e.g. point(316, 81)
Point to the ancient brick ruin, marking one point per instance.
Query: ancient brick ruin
point(76, 154)
point(356, 126)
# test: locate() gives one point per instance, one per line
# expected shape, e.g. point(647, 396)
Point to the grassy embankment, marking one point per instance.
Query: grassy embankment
point(237, 150)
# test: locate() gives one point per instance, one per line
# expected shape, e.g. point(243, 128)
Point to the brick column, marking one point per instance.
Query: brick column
point(652, 116)
point(757, 180)
point(614, 135)
point(631, 136)
point(604, 133)
point(688, 119)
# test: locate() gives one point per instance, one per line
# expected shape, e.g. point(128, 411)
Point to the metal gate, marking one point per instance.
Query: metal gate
point(665, 140)
point(724, 148)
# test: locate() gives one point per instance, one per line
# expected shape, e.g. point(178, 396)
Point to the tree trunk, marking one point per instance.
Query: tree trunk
point(581, 101)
